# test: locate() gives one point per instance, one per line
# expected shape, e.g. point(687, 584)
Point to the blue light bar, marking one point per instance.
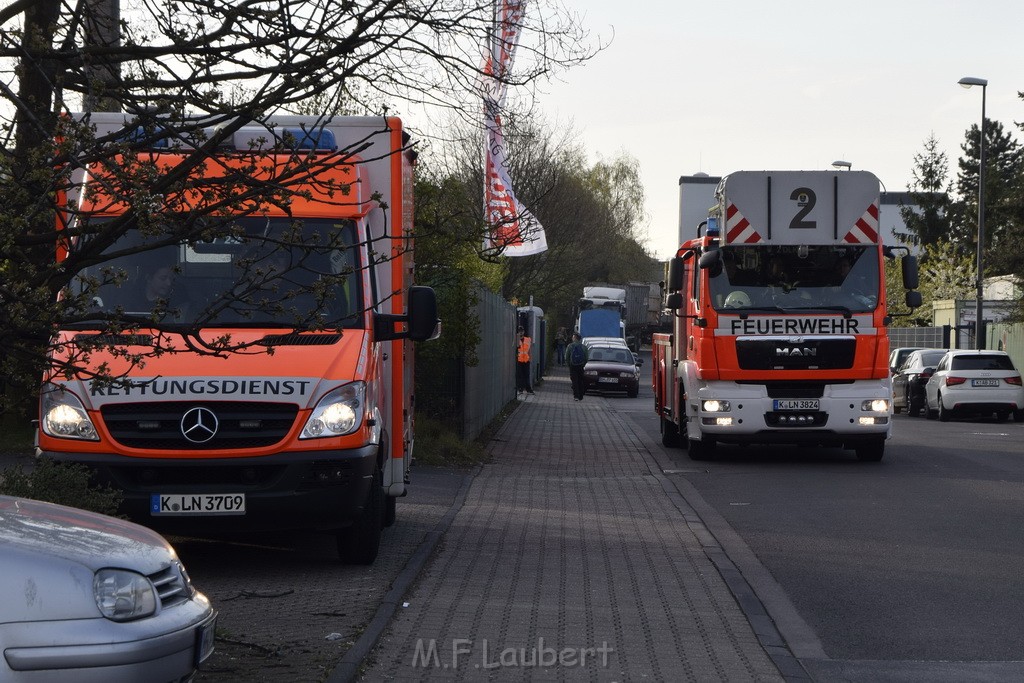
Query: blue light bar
point(139, 134)
point(713, 229)
point(315, 139)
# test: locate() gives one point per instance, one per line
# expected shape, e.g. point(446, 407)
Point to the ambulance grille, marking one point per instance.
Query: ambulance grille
point(240, 424)
point(98, 340)
point(300, 339)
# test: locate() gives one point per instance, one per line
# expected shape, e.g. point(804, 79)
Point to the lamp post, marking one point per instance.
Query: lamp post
point(839, 163)
point(979, 323)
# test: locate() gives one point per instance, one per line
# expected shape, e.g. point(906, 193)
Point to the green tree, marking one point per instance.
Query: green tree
point(927, 220)
point(1004, 165)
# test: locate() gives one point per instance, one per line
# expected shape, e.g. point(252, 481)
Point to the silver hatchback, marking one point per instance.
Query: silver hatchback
point(86, 597)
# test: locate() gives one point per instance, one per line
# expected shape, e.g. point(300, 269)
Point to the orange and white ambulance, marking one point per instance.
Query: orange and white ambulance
point(779, 318)
point(259, 377)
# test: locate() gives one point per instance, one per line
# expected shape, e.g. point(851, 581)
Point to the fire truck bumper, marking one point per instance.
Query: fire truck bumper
point(847, 414)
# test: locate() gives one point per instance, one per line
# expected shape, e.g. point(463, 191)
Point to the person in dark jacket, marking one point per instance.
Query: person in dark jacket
point(577, 355)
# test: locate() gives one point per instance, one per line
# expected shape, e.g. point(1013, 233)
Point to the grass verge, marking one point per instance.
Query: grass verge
point(438, 444)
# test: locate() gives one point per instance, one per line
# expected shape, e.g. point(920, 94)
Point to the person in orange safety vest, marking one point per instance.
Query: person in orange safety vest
point(523, 344)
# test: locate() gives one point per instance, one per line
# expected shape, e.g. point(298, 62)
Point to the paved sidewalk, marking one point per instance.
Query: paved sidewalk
point(570, 561)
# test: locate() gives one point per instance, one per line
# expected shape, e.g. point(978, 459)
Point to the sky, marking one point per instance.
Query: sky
point(716, 87)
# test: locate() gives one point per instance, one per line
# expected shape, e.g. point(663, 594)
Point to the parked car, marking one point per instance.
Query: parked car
point(975, 382)
point(612, 368)
point(90, 598)
point(908, 382)
point(898, 355)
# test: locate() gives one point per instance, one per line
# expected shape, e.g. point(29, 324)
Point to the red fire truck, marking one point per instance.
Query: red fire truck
point(779, 318)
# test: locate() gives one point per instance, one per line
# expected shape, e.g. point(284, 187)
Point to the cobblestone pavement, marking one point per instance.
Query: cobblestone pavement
point(569, 561)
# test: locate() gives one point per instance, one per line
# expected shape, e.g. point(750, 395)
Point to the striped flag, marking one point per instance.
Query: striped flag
point(511, 228)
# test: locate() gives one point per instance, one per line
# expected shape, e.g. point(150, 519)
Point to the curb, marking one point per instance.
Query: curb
point(347, 669)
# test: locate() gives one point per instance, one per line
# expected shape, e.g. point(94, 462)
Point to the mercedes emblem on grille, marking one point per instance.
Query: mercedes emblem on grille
point(199, 425)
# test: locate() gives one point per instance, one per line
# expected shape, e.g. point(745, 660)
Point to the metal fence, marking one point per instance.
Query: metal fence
point(467, 398)
point(924, 337)
point(491, 384)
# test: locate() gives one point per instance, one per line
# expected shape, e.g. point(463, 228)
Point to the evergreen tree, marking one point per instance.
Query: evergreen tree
point(1004, 222)
point(927, 220)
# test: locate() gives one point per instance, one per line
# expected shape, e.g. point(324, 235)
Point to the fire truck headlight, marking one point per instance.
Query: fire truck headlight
point(715, 406)
point(338, 413)
point(875, 405)
point(64, 416)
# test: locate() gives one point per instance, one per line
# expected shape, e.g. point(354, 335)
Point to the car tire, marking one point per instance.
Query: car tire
point(943, 411)
point(360, 543)
point(1002, 415)
point(871, 451)
point(1018, 416)
point(633, 393)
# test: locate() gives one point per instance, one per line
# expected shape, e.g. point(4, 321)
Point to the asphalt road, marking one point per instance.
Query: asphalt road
point(906, 569)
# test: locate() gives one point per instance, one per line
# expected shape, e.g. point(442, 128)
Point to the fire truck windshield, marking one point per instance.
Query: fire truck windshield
point(830, 277)
point(266, 273)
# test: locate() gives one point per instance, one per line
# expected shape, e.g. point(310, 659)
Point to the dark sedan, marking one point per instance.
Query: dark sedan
point(909, 380)
point(612, 368)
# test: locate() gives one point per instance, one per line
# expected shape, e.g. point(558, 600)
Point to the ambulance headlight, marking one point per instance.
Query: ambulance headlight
point(63, 416)
point(338, 413)
point(875, 405)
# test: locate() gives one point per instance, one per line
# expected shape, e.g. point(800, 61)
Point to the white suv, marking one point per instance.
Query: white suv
point(975, 382)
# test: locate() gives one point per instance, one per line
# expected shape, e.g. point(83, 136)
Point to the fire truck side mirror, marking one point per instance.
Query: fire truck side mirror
point(913, 299)
point(674, 301)
point(909, 268)
point(675, 274)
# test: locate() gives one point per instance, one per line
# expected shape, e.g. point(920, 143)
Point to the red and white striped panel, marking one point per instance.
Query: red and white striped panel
point(737, 228)
point(865, 230)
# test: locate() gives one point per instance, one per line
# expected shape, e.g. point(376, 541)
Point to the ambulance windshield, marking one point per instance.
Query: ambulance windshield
point(268, 273)
point(791, 277)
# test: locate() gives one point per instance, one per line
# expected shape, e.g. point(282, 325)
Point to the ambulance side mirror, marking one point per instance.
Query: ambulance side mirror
point(421, 318)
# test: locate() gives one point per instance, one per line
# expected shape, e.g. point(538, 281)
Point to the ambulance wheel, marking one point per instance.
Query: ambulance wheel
point(359, 543)
point(669, 433)
point(390, 510)
point(702, 449)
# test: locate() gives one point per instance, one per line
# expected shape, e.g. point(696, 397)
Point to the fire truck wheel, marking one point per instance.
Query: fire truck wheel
point(669, 433)
point(872, 451)
point(390, 510)
point(359, 543)
point(702, 449)
point(914, 404)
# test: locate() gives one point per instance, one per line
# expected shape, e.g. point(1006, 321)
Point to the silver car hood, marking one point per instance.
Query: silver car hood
point(42, 545)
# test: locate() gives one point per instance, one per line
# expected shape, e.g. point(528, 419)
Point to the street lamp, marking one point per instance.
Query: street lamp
point(839, 163)
point(979, 323)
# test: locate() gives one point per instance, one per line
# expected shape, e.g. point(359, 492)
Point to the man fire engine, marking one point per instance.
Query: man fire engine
point(779, 331)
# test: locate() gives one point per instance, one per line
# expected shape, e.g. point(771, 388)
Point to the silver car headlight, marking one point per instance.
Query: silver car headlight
point(123, 595)
point(338, 413)
point(63, 415)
